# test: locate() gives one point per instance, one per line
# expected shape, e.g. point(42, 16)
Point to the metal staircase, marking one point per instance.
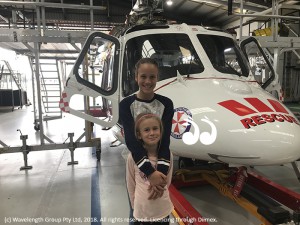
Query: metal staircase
point(50, 87)
point(7, 70)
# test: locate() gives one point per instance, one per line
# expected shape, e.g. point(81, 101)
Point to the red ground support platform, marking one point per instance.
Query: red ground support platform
point(187, 213)
point(281, 194)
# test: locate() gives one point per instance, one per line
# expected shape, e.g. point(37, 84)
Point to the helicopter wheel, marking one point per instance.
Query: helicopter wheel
point(184, 163)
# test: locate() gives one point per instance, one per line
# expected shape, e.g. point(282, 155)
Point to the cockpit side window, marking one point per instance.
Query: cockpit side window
point(224, 54)
point(174, 54)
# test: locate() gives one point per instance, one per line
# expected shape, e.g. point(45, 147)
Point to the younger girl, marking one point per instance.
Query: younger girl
point(148, 130)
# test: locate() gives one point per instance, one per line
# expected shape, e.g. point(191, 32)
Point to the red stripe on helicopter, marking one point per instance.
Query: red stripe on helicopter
point(259, 105)
point(277, 106)
point(237, 107)
point(256, 120)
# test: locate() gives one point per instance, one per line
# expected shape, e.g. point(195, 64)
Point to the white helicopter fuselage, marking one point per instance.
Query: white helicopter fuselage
point(218, 115)
point(263, 136)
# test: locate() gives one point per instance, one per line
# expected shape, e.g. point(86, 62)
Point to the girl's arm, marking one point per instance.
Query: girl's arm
point(135, 147)
point(170, 172)
point(130, 179)
point(164, 150)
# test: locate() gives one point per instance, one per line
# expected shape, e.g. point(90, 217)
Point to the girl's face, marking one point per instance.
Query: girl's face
point(149, 131)
point(147, 75)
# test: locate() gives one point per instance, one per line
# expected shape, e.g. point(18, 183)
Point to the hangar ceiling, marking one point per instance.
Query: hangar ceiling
point(61, 17)
point(107, 13)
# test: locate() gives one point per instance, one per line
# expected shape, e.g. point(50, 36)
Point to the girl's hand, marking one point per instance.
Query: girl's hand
point(157, 178)
point(158, 182)
point(155, 192)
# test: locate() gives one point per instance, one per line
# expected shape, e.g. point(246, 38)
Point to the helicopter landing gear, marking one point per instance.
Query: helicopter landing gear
point(184, 163)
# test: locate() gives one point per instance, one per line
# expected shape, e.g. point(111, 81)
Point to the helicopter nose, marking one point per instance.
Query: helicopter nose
point(284, 143)
point(271, 131)
point(277, 144)
point(265, 144)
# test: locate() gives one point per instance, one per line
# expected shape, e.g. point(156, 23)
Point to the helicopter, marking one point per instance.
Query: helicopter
point(226, 95)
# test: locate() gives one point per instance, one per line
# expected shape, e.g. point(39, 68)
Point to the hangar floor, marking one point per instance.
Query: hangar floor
point(54, 193)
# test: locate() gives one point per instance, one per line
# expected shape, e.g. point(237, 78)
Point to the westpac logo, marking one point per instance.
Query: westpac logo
point(268, 115)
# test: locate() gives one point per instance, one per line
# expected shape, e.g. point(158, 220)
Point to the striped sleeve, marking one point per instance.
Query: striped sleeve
point(135, 147)
point(163, 163)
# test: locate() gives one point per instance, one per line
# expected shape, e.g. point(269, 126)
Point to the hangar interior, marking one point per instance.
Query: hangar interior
point(56, 168)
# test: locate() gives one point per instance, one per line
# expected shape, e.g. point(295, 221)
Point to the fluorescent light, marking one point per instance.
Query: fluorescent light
point(169, 2)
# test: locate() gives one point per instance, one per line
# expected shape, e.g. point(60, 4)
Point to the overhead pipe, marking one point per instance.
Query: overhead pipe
point(267, 16)
point(264, 13)
point(235, 5)
point(51, 5)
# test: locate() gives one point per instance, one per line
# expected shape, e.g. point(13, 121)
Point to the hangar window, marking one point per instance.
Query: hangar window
point(224, 54)
point(174, 54)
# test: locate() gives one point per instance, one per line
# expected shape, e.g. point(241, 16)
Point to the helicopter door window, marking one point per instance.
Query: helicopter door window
point(259, 62)
point(96, 68)
point(224, 54)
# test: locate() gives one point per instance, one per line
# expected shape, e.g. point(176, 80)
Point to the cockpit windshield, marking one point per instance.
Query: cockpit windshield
point(224, 54)
point(174, 53)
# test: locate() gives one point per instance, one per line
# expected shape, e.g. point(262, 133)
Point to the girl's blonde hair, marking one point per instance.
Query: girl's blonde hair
point(141, 117)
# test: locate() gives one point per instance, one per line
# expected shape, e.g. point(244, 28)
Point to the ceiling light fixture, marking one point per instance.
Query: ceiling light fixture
point(169, 2)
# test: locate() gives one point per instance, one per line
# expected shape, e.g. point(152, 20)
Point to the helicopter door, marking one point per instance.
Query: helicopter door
point(260, 64)
point(95, 76)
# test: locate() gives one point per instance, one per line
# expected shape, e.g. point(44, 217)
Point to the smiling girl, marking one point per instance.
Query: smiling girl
point(148, 130)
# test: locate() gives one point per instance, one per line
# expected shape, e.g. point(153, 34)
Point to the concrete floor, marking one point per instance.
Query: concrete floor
point(91, 192)
point(52, 191)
